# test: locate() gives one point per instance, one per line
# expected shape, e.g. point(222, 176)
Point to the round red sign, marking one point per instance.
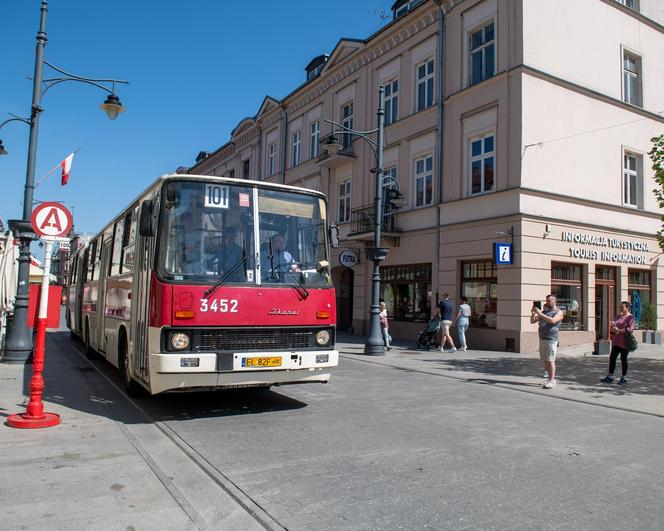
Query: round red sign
point(51, 219)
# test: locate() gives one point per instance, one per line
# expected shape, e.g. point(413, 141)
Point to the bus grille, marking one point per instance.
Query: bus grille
point(238, 340)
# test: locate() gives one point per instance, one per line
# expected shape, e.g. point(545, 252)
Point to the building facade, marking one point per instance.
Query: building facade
point(507, 122)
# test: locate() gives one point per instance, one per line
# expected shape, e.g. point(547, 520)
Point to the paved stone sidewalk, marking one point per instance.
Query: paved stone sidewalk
point(579, 372)
point(106, 466)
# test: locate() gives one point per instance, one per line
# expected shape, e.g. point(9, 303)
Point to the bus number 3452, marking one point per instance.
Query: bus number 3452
point(219, 305)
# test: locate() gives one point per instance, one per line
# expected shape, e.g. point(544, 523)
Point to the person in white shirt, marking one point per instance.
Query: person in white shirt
point(462, 322)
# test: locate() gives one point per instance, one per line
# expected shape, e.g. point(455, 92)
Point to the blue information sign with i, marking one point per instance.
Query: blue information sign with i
point(502, 253)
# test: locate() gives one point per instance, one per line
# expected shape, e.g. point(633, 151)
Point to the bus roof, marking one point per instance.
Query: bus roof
point(214, 178)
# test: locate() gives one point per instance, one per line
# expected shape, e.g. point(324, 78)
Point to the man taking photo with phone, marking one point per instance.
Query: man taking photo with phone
point(548, 320)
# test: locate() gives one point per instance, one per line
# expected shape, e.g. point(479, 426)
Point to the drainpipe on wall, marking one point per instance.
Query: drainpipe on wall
point(284, 143)
point(259, 165)
point(441, 136)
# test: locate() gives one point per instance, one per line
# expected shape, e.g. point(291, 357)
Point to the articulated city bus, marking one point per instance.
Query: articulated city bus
point(205, 283)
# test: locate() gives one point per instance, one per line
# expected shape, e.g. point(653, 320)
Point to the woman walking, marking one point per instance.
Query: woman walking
point(621, 326)
point(384, 326)
point(463, 320)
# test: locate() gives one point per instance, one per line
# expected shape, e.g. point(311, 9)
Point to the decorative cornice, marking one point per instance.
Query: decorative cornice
point(350, 65)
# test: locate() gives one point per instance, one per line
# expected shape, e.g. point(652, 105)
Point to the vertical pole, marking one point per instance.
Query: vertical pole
point(34, 416)
point(375, 345)
point(19, 340)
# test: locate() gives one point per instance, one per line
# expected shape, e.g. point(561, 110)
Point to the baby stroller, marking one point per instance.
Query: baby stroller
point(430, 335)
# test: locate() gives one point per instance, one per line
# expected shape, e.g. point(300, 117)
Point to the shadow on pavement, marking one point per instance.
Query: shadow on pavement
point(77, 383)
point(645, 377)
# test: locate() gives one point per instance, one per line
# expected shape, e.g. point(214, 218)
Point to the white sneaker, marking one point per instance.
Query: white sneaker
point(453, 349)
point(463, 349)
point(545, 375)
point(550, 384)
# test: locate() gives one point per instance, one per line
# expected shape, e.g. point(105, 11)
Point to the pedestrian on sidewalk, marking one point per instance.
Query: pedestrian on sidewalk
point(548, 320)
point(462, 322)
point(447, 315)
point(384, 325)
point(621, 326)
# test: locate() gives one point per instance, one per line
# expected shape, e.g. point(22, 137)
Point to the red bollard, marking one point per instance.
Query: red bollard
point(34, 416)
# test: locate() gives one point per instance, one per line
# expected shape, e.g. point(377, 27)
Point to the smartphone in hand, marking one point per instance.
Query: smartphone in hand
point(537, 304)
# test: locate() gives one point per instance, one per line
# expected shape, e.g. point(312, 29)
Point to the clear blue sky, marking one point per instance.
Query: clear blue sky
point(196, 69)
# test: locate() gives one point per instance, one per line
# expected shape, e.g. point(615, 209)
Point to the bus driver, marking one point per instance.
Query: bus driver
point(277, 260)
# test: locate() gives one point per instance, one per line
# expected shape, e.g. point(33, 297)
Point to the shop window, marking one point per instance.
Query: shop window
point(478, 284)
point(567, 286)
point(406, 290)
point(639, 290)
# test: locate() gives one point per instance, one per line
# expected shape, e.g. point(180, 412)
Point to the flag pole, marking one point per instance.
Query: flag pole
point(55, 168)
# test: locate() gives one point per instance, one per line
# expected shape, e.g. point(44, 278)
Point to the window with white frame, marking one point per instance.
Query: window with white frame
point(314, 139)
point(347, 121)
point(343, 213)
point(482, 164)
point(631, 169)
point(631, 79)
point(481, 46)
point(297, 148)
point(423, 181)
point(271, 159)
point(391, 101)
point(424, 85)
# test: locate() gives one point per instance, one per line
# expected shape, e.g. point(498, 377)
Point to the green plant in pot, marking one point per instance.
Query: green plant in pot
point(648, 322)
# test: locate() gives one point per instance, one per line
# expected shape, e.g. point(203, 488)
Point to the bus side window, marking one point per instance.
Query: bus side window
point(92, 252)
point(116, 255)
point(129, 236)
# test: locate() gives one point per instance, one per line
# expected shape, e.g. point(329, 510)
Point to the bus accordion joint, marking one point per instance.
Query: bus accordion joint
point(185, 314)
point(323, 315)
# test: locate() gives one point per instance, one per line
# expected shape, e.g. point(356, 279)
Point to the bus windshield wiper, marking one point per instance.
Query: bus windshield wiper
point(227, 275)
point(299, 287)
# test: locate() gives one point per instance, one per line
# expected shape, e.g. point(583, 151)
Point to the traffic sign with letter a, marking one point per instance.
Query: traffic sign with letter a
point(51, 220)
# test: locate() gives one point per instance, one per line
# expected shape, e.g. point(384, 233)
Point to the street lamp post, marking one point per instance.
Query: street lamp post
point(19, 339)
point(374, 345)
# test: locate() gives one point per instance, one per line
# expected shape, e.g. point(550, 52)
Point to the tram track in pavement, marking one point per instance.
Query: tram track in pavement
point(250, 506)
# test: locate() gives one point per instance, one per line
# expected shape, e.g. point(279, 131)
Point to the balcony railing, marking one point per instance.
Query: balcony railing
point(362, 220)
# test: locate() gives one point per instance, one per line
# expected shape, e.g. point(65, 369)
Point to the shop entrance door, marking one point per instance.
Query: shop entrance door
point(605, 300)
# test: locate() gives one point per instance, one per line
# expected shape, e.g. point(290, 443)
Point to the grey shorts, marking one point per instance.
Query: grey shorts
point(548, 349)
point(446, 328)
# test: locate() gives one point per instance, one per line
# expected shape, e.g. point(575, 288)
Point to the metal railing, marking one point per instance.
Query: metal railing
point(362, 219)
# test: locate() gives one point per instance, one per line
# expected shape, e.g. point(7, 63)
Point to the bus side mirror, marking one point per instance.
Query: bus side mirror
point(146, 219)
point(334, 236)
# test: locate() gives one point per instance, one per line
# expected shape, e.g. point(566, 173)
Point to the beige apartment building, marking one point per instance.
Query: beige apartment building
point(522, 122)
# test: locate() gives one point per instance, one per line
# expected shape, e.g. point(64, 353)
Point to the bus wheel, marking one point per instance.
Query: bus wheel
point(89, 351)
point(132, 386)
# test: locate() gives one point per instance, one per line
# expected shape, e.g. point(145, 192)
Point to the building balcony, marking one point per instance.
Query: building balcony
point(362, 225)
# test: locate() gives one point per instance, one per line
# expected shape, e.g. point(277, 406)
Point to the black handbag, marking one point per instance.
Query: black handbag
point(631, 343)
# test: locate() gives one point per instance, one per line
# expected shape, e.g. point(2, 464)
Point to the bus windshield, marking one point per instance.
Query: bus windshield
point(209, 235)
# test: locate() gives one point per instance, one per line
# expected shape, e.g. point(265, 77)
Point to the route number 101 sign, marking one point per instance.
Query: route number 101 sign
point(216, 196)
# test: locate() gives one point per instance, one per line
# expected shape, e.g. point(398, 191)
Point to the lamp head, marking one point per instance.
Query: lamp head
point(3, 151)
point(112, 106)
point(332, 145)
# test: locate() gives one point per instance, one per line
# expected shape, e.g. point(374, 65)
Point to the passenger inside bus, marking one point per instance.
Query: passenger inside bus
point(228, 256)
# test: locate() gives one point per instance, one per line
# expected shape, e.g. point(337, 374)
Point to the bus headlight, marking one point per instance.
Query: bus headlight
point(322, 338)
point(179, 341)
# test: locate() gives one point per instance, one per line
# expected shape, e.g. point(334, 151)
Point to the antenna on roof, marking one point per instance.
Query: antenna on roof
point(382, 16)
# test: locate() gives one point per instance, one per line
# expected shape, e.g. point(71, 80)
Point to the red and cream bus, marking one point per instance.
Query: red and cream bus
point(205, 283)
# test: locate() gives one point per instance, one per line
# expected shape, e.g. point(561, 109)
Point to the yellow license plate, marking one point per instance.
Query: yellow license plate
point(263, 361)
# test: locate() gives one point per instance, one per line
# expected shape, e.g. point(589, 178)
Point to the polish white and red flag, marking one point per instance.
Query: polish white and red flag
point(66, 168)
